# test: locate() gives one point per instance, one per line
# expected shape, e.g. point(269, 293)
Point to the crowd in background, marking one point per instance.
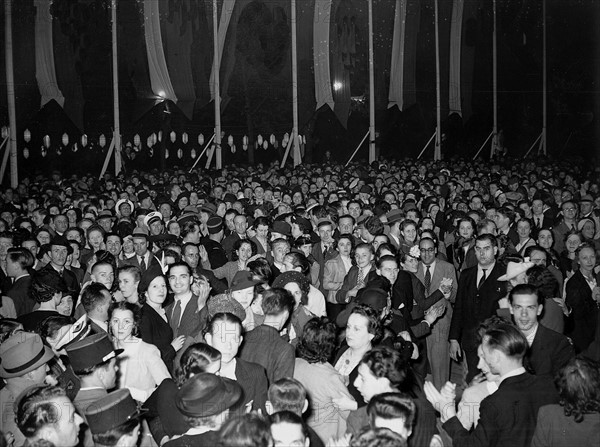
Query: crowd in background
point(409, 302)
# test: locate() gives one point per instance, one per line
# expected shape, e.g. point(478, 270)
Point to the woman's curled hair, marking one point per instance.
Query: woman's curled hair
point(578, 384)
point(318, 341)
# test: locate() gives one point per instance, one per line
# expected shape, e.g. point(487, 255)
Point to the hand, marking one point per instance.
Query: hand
point(405, 335)
point(442, 401)
point(178, 342)
point(256, 257)
point(344, 402)
point(455, 351)
point(477, 379)
point(433, 313)
point(563, 305)
point(344, 441)
point(503, 303)
point(436, 441)
point(203, 253)
point(202, 289)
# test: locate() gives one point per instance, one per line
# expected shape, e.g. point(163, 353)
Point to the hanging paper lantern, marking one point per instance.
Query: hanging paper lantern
point(102, 141)
point(151, 152)
point(233, 148)
point(44, 152)
point(65, 139)
point(193, 154)
point(272, 139)
point(245, 147)
point(160, 135)
point(286, 139)
point(173, 136)
point(154, 139)
point(84, 140)
point(25, 153)
point(259, 140)
point(180, 153)
point(4, 132)
point(75, 148)
point(201, 139)
point(230, 140)
point(166, 153)
point(59, 151)
point(245, 140)
point(27, 135)
point(47, 141)
point(265, 145)
point(184, 138)
point(136, 139)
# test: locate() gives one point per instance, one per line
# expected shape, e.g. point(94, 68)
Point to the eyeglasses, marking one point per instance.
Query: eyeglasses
point(569, 209)
point(427, 250)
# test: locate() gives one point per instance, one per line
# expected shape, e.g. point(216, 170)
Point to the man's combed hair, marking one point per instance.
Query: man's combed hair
point(392, 406)
point(35, 409)
point(378, 437)
point(93, 296)
point(318, 341)
point(111, 437)
point(276, 301)
point(506, 338)
point(248, 430)
point(287, 394)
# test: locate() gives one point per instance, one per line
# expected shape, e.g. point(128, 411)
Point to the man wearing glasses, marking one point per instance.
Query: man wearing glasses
point(569, 222)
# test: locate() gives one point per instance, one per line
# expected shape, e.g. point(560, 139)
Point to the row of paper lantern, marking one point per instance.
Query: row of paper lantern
point(154, 138)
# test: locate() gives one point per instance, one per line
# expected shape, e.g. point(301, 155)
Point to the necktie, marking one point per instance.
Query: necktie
point(538, 222)
point(482, 280)
point(175, 318)
point(325, 248)
point(142, 264)
point(427, 280)
point(361, 278)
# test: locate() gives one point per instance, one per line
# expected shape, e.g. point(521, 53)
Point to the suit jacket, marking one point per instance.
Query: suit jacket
point(335, 272)
point(549, 352)
point(474, 305)
point(190, 324)
point(73, 286)
point(152, 270)
point(350, 281)
point(216, 254)
point(547, 221)
point(156, 331)
point(253, 380)
point(442, 270)
point(584, 317)
point(321, 259)
point(19, 292)
point(229, 242)
point(507, 418)
point(263, 345)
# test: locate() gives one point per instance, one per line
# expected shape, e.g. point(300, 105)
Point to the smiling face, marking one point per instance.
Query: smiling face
point(363, 257)
point(389, 269)
point(587, 260)
point(545, 239)
point(180, 279)
point(572, 242)
point(409, 233)
point(157, 291)
point(244, 252)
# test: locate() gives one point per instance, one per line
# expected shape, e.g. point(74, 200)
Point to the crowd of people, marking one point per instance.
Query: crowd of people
point(402, 303)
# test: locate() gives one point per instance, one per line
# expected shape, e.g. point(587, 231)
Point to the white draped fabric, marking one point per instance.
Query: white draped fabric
point(454, 92)
point(45, 71)
point(396, 95)
point(157, 65)
point(226, 13)
point(323, 91)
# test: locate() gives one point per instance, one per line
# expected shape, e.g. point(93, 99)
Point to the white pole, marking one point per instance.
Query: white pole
point(217, 86)
point(494, 82)
point(371, 87)
point(544, 82)
point(357, 148)
point(115, 73)
point(295, 86)
point(437, 153)
point(10, 93)
point(202, 153)
point(287, 152)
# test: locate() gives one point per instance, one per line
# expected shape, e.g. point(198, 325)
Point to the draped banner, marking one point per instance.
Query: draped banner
point(226, 14)
point(396, 95)
point(45, 72)
point(323, 92)
point(157, 65)
point(177, 40)
point(454, 99)
point(413, 20)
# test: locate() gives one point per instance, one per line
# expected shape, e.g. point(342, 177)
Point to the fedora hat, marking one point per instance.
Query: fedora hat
point(105, 214)
point(207, 395)
point(281, 227)
point(242, 280)
point(112, 410)
point(21, 353)
point(209, 208)
point(395, 216)
point(91, 351)
point(62, 241)
point(514, 269)
point(140, 232)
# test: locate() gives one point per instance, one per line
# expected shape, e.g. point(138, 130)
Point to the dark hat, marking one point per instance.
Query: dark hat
point(514, 179)
point(209, 208)
point(395, 216)
point(206, 395)
point(140, 232)
point(224, 303)
point(301, 221)
point(214, 224)
point(191, 209)
point(229, 197)
point(586, 198)
point(324, 221)
point(187, 217)
point(372, 297)
point(366, 189)
point(243, 280)
point(183, 195)
point(142, 195)
point(111, 411)
point(292, 276)
point(62, 241)
point(91, 351)
point(105, 214)
point(21, 353)
point(282, 227)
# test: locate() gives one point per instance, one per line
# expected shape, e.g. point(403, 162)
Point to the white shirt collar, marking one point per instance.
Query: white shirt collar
point(431, 267)
point(531, 336)
point(513, 373)
point(184, 300)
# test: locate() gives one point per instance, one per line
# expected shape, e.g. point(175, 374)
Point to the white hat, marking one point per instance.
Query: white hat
point(152, 216)
point(121, 202)
point(514, 269)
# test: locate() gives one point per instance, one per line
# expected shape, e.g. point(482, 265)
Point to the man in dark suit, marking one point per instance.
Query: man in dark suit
point(241, 225)
point(548, 350)
point(542, 214)
point(263, 345)
point(96, 300)
point(144, 259)
point(324, 250)
point(60, 248)
point(18, 263)
point(507, 417)
point(358, 275)
point(476, 300)
point(182, 313)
